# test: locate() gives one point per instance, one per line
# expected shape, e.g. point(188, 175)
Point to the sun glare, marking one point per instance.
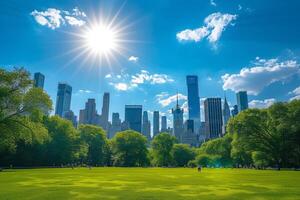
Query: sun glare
point(101, 39)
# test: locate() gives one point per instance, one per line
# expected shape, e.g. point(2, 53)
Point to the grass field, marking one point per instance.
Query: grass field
point(148, 184)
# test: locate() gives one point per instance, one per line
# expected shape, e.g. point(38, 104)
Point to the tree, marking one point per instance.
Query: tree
point(162, 145)
point(95, 138)
point(129, 149)
point(203, 160)
point(219, 149)
point(182, 154)
point(64, 146)
point(18, 101)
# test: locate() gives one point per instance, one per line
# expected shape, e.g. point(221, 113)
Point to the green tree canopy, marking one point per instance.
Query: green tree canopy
point(182, 154)
point(162, 145)
point(130, 149)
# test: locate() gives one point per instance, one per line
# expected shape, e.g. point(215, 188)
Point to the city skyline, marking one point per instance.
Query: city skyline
point(157, 54)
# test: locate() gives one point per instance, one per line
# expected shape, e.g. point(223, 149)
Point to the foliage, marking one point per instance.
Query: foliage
point(182, 154)
point(129, 149)
point(162, 145)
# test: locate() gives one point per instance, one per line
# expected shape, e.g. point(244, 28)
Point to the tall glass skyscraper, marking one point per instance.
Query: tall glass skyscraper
point(105, 107)
point(63, 99)
point(193, 100)
point(155, 123)
point(146, 129)
point(242, 100)
point(163, 124)
point(213, 117)
point(133, 116)
point(39, 79)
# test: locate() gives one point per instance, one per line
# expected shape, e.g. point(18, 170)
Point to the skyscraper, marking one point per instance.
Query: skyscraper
point(163, 124)
point(63, 99)
point(193, 100)
point(90, 111)
point(234, 111)
point(178, 121)
point(226, 114)
point(69, 115)
point(115, 125)
point(39, 79)
point(133, 116)
point(213, 117)
point(105, 107)
point(155, 123)
point(242, 100)
point(146, 129)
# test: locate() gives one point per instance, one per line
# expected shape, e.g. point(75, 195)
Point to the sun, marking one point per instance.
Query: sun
point(101, 39)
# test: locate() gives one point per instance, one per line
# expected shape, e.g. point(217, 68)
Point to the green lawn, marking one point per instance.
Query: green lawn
point(148, 183)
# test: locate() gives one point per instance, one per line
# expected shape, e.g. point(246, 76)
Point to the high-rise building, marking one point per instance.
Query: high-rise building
point(226, 114)
point(133, 116)
point(155, 123)
point(63, 99)
point(163, 124)
point(89, 114)
point(116, 125)
point(105, 109)
point(178, 121)
point(234, 110)
point(69, 115)
point(189, 136)
point(39, 79)
point(242, 100)
point(213, 117)
point(146, 129)
point(193, 100)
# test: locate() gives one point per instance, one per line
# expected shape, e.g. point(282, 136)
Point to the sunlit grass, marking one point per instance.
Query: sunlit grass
point(148, 183)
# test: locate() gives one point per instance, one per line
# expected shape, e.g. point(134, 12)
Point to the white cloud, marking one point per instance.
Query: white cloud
point(213, 3)
point(296, 93)
point(133, 58)
point(51, 17)
point(74, 21)
point(214, 26)
point(122, 86)
point(108, 76)
point(262, 74)
point(54, 18)
point(165, 100)
point(262, 103)
point(240, 7)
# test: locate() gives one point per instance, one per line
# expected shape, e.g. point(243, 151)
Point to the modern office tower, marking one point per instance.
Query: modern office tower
point(213, 117)
point(90, 111)
point(63, 99)
point(69, 115)
point(116, 125)
point(242, 100)
point(124, 126)
point(234, 111)
point(202, 133)
point(163, 124)
point(146, 129)
point(193, 100)
point(105, 108)
point(39, 79)
point(189, 136)
point(226, 114)
point(82, 116)
point(155, 123)
point(133, 116)
point(178, 121)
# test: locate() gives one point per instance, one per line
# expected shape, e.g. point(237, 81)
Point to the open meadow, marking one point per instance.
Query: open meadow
point(148, 183)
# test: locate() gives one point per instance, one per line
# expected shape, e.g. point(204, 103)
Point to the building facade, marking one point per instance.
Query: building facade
point(63, 99)
point(213, 117)
point(226, 115)
point(39, 80)
point(242, 100)
point(193, 100)
point(155, 123)
point(178, 121)
point(146, 129)
point(133, 116)
point(116, 125)
point(163, 124)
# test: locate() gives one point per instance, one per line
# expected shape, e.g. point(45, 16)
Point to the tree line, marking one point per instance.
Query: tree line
point(29, 136)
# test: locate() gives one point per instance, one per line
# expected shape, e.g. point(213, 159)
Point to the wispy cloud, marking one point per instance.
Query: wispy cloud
point(133, 58)
point(164, 99)
point(213, 3)
point(127, 82)
point(262, 103)
point(214, 26)
point(264, 72)
point(54, 18)
point(295, 93)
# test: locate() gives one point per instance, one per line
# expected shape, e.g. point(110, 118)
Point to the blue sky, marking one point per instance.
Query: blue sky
point(230, 45)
